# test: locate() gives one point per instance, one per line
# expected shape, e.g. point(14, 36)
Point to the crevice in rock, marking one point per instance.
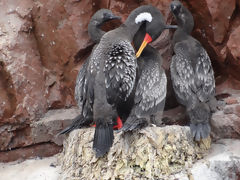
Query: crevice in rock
point(44, 149)
point(8, 91)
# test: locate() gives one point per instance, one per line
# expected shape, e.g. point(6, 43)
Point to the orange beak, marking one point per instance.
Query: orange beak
point(147, 39)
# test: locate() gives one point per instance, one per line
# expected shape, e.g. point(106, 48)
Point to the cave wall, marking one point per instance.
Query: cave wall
point(40, 38)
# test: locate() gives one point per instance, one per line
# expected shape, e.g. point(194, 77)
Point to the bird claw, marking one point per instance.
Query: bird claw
point(200, 131)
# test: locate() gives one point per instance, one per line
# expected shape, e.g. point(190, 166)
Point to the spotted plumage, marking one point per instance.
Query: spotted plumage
point(84, 94)
point(120, 71)
point(115, 79)
point(192, 74)
point(151, 88)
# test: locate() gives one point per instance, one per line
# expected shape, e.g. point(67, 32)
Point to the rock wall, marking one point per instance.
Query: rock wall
point(39, 40)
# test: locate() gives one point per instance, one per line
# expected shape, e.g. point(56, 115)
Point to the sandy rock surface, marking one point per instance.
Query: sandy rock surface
point(33, 169)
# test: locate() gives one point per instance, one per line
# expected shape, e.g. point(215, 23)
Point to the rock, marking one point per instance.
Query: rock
point(37, 169)
point(226, 122)
point(221, 13)
point(223, 162)
point(42, 134)
point(153, 152)
point(231, 100)
point(38, 150)
point(54, 121)
point(234, 43)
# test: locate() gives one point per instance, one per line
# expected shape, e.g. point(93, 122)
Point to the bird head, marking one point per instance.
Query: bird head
point(103, 15)
point(182, 15)
point(155, 25)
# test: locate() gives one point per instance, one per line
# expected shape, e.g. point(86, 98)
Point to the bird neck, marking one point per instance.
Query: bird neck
point(130, 29)
point(138, 38)
point(186, 22)
point(94, 31)
point(179, 35)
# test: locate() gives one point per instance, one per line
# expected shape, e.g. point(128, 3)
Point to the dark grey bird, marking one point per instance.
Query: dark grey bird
point(84, 83)
point(192, 73)
point(114, 66)
point(151, 81)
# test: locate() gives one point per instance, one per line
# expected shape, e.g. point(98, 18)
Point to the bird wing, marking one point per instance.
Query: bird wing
point(192, 73)
point(182, 75)
point(151, 88)
point(81, 83)
point(204, 76)
point(120, 71)
point(84, 89)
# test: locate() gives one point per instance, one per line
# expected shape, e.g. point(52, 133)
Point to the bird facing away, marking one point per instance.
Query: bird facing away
point(84, 82)
point(192, 73)
point(113, 64)
point(150, 87)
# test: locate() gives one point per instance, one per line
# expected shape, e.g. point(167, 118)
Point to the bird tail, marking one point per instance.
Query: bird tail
point(133, 123)
point(200, 113)
point(199, 120)
point(78, 122)
point(103, 138)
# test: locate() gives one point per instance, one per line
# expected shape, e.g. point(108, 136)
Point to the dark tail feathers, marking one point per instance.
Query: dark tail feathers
point(133, 123)
point(103, 138)
point(200, 113)
point(199, 121)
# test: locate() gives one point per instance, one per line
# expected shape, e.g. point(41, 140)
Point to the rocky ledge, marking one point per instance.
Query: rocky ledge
point(151, 153)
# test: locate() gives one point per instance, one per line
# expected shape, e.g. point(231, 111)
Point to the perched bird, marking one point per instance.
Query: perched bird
point(84, 83)
point(113, 64)
point(151, 81)
point(192, 73)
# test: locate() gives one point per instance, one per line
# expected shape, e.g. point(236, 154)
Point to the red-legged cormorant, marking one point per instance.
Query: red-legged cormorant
point(114, 66)
point(150, 91)
point(84, 83)
point(192, 73)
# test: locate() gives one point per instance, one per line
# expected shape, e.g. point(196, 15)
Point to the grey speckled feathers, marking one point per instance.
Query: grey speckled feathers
point(192, 74)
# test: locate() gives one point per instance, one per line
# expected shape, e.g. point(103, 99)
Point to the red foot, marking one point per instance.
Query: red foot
point(118, 126)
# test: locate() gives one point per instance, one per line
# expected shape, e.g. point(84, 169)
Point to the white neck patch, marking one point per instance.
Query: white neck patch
point(145, 16)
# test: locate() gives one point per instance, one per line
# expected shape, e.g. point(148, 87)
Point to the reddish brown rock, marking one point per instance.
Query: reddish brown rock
point(231, 100)
point(23, 80)
point(41, 150)
point(233, 45)
point(221, 13)
point(225, 125)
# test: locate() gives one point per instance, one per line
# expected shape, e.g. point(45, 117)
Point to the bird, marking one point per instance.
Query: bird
point(114, 67)
point(192, 74)
point(150, 87)
point(84, 84)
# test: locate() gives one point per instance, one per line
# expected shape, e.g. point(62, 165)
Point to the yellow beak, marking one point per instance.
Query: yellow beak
point(147, 39)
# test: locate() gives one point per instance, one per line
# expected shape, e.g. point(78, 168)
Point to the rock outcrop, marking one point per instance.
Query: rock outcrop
point(166, 153)
point(153, 153)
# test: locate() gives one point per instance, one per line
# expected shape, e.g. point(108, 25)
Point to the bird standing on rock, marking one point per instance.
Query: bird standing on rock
point(192, 74)
point(150, 87)
point(84, 83)
point(114, 66)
